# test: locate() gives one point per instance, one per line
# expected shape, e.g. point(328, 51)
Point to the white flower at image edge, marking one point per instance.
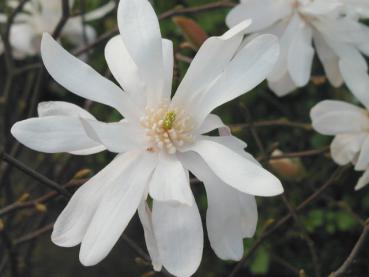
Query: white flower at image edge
point(159, 141)
point(39, 16)
point(299, 23)
point(348, 123)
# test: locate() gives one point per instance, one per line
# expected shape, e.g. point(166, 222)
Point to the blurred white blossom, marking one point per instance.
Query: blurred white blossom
point(348, 123)
point(159, 141)
point(39, 16)
point(299, 23)
point(356, 8)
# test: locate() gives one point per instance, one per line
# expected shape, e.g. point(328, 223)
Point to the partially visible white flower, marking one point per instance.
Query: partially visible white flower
point(39, 16)
point(159, 141)
point(348, 123)
point(356, 8)
point(298, 23)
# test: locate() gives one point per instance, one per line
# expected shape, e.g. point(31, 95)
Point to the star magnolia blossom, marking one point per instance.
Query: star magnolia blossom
point(348, 123)
point(159, 141)
point(41, 16)
point(298, 23)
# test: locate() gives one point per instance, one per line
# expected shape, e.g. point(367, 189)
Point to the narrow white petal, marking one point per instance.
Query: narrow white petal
point(139, 28)
point(263, 13)
point(209, 62)
point(62, 108)
point(53, 134)
point(100, 12)
point(248, 68)
point(237, 171)
point(363, 181)
point(72, 223)
point(168, 61)
point(330, 106)
point(170, 181)
point(211, 123)
point(116, 209)
point(363, 159)
point(283, 86)
point(82, 80)
point(124, 69)
point(300, 56)
point(117, 137)
point(357, 81)
point(346, 147)
point(145, 215)
point(180, 238)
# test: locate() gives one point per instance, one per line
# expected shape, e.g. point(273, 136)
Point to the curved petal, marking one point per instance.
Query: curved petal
point(263, 13)
point(211, 123)
point(82, 80)
point(170, 181)
point(117, 137)
point(283, 86)
point(124, 69)
point(248, 68)
point(363, 180)
point(168, 61)
point(179, 234)
point(231, 215)
point(51, 108)
point(100, 12)
point(53, 134)
point(139, 28)
point(346, 147)
point(357, 81)
point(300, 56)
point(145, 215)
point(71, 225)
point(116, 209)
point(326, 114)
point(329, 60)
point(235, 170)
point(363, 159)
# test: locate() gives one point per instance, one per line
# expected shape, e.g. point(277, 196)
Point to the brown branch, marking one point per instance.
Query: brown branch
point(41, 178)
point(300, 154)
point(354, 252)
point(63, 20)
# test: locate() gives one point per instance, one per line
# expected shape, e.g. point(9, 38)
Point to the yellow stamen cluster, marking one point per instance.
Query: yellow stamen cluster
point(167, 128)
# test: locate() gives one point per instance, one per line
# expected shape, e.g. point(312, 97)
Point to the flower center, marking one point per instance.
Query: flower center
point(167, 128)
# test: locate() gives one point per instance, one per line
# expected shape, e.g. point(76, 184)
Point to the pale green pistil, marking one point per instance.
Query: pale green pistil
point(168, 121)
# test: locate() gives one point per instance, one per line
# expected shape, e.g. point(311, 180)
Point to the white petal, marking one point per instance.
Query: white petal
point(363, 160)
point(300, 56)
point(72, 223)
point(53, 134)
point(262, 12)
point(100, 12)
point(320, 7)
point(231, 215)
point(145, 215)
point(62, 108)
point(237, 171)
point(124, 70)
point(329, 60)
point(229, 141)
point(139, 28)
point(363, 181)
point(283, 86)
point(336, 117)
point(346, 147)
point(22, 38)
point(249, 68)
point(211, 123)
point(357, 81)
point(82, 80)
point(117, 137)
point(170, 181)
point(286, 39)
point(115, 210)
point(209, 62)
point(168, 61)
point(180, 238)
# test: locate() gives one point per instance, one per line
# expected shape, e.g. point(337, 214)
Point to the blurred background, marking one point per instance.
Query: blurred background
point(310, 231)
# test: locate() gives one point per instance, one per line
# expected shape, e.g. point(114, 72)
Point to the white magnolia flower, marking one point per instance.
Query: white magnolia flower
point(39, 16)
point(348, 123)
point(298, 23)
point(159, 141)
